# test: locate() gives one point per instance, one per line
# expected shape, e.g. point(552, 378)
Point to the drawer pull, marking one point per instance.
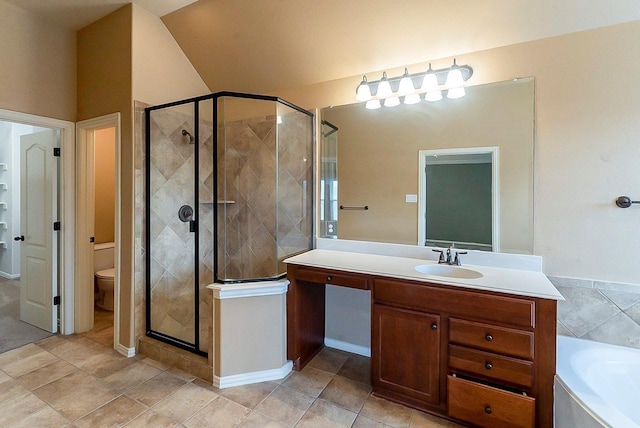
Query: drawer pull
point(488, 366)
point(434, 326)
point(329, 278)
point(487, 410)
point(488, 338)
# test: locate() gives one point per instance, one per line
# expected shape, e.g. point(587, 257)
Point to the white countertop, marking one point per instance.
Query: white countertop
point(513, 281)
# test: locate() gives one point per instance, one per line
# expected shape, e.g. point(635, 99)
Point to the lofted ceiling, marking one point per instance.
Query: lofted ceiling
point(76, 14)
point(266, 45)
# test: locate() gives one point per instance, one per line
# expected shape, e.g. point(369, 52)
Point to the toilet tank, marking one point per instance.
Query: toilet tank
point(103, 256)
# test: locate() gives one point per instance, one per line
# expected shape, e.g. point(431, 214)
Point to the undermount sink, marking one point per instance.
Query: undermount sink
point(449, 271)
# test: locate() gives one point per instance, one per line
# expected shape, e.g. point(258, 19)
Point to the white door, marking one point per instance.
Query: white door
point(38, 208)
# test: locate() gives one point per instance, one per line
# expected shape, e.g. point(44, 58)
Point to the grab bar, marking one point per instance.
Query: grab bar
point(364, 208)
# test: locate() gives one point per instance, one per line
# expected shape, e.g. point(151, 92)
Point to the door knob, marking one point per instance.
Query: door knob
point(19, 238)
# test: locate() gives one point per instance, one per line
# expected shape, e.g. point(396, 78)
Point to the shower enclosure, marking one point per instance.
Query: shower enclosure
point(228, 198)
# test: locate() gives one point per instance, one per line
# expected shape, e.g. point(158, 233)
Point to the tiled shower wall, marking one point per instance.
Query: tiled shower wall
point(261, 163)
point(601, 311)
point(172, 246)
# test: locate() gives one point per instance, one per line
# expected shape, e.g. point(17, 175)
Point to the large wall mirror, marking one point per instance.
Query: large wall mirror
point(432, 173)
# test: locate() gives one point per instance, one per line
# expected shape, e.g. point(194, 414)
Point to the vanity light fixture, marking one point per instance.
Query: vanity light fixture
point(373, 104)
point(392, 101)
point(412, 98)
point(390, 91)
point(406, 85)
point(363, 93)
point(384, 87)
point(430, 86)
point(455, 82)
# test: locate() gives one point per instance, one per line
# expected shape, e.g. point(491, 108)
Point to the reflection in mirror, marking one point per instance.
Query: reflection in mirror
point(378, 154)
point(470, 219)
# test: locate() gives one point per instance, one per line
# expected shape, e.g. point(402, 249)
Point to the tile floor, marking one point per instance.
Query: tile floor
point(77, 381)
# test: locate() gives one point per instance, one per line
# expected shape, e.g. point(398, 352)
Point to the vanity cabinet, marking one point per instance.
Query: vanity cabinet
point(405, 356)
point(478, 357)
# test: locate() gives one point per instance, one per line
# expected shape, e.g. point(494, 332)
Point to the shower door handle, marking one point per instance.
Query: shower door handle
point(192, 225)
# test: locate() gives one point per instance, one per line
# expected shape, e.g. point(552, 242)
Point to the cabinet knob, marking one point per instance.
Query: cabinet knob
point(488, 366)
point(434, 326)
point(487, 410)
point(488, 338)
point(329, 278)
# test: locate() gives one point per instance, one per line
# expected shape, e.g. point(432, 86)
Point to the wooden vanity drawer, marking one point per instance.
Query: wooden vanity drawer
point(519, 312)
point(499, 340)
point(334, 278)
point(486, 406)
point(496, 367)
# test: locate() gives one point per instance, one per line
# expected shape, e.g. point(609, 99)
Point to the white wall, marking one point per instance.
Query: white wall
point(10, 134)
point(5, 216)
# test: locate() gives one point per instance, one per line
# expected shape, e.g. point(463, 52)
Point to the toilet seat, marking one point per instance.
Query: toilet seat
point(106, 273)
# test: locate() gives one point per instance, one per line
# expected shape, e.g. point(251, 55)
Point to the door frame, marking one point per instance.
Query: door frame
point(66, 201)
point(85, 192)
point(495, 188)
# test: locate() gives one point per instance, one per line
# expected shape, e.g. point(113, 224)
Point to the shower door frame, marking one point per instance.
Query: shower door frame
point(195, 347)
point(192, 347)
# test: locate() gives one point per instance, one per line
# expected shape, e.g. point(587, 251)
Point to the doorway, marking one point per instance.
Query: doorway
point(459, 198)
point(33, 248)
point(98, 230)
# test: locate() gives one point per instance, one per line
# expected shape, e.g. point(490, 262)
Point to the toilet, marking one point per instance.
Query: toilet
point(103, 260)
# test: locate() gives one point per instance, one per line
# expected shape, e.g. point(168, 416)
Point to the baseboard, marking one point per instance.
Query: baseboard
point(127, 352)
point(348, 347)
point(253, 377)
point(8, 275)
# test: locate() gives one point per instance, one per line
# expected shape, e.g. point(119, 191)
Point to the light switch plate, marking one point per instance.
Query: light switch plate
point(411, 198)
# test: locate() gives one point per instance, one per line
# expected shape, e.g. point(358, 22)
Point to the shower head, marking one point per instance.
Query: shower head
point(187, 133)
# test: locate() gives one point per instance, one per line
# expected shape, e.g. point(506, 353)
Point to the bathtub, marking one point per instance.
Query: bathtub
point(597, 385)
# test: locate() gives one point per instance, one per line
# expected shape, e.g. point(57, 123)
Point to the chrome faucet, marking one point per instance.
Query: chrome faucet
point(452, 256)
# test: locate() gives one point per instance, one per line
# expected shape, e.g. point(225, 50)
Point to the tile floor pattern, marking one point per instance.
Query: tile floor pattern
point(75, 381)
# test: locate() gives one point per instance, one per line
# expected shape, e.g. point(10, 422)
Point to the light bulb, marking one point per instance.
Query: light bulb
point(406, 85)
point(430, 82)
point(384, 88)
point(363, 93)
point(373, 104)
point(454, 77)
point(391, 101)
point(412, 99)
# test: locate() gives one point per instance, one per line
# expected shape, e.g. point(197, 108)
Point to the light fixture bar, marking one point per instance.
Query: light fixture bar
point(418, 78)
point(391, 91)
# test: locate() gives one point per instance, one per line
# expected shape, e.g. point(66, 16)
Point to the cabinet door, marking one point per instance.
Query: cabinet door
point(406, 353)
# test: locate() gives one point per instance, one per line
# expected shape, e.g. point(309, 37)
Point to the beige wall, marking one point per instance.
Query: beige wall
point(38, 71)
point(105, 184)
point(160, 71)
point(125, 56)
point(104, 87)
point(586, 142)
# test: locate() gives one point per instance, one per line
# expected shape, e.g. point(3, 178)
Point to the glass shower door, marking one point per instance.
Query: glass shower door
point(171, 238)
